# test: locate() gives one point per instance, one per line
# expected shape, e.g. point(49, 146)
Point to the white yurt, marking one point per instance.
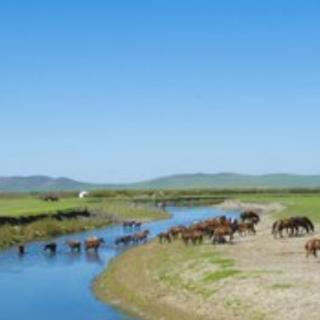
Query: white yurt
point(83, 194)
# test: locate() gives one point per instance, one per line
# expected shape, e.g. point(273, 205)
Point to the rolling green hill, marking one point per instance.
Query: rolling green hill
point(183, 181)
point(232, 180)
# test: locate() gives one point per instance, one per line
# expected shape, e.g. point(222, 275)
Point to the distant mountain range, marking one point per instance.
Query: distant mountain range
point(181, 181)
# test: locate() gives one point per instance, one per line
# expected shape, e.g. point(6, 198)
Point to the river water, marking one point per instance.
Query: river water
point(38, 286)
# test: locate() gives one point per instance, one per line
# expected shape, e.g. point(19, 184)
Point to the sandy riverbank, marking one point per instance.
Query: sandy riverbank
point(256, 278)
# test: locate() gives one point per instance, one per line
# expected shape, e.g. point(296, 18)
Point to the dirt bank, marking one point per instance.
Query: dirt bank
point(256, 278)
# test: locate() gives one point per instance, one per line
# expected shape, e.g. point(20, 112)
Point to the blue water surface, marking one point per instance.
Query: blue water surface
point(38, 286)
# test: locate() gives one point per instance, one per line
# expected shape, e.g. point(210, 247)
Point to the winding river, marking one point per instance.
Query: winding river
point(42, 287)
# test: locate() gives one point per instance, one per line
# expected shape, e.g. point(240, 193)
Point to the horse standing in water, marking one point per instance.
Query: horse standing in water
point(74, 245)
point(51, 247)
point(93, 243)
point(21, 250)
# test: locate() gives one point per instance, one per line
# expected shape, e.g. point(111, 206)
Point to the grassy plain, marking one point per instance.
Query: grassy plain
point(105, 211)
point(295, 204)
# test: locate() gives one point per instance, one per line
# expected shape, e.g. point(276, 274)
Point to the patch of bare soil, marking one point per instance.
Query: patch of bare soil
point(277, 281)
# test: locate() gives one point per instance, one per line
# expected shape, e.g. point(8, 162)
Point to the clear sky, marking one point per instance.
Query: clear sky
point(116, 91)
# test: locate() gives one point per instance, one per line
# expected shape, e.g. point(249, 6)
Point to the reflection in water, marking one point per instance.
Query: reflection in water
point(40, 286)
point(73, 257)
point(93, 257)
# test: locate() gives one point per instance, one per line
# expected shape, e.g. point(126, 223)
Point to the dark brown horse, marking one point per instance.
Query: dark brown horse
point(293, 226)
point(141, 236)
point(74, 245)
point(164, 236)
point(51, 247)
point(284, 224)
point(21, 250)
point(250, 216)
point(124, 240)
point(304, 223)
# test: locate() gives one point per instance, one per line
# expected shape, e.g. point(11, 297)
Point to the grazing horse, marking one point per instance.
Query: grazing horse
point(192, 235)
point(74, 245)
point(312, 246)
point(304, 223)
point(164, 236)
point(292, 226)
point(123, 240)
point(51, 247)
point(93, 243)
point(284, 224)
point(308, 222)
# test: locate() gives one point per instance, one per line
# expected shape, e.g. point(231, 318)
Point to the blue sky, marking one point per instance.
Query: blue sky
point(115, 91)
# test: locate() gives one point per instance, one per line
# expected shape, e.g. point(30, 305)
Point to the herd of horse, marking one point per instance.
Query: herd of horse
point(222, 230)
point(94, 243)
point(219, 230)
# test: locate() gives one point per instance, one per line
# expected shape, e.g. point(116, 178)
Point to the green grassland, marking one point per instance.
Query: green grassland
point(121, 209)
point(295, 204)
point(26, 206)
point(105, 211)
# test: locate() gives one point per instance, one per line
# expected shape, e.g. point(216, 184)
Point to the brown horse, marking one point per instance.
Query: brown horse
point(245, 227)
point(74, 245)
point(141, 236)
point(221, 232)
point(175, 232)
point(284, 224)
point(164, 236)
point(93, 243)
point(192, 235)
point(312, 246)
point(292, 225)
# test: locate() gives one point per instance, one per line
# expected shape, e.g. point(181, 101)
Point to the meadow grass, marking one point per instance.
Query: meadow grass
point(26, 206)
point(295, 204)
point(104, 212)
